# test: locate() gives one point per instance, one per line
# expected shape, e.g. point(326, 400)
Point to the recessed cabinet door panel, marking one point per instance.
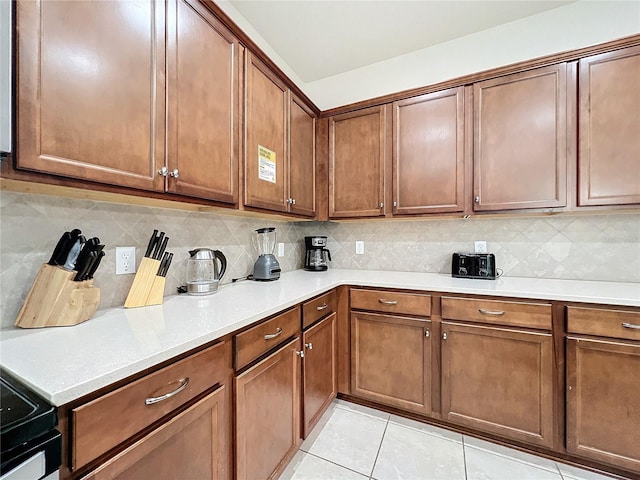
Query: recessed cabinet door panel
point(319, 385)
point(266, 146)
point(203, 104)
point(91, 90)
point(609, 150)
point(391, 360)
point(603, 402)
point(302, 158)
point(428, 153)
point(520, 152)
point(499, 381)
point(356, 163)
point(268, 414)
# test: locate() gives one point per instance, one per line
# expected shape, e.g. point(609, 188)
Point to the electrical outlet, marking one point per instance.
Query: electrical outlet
point(480, 246)
point(281, 249)
point(359, 247)
point(125, 260)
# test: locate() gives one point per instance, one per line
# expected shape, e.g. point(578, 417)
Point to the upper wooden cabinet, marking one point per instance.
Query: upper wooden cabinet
point(202, 83)
point(357, 153)
point(428, 153)
point(90, 99)
point(280, 144)
point(609, 123)
point(520, 140)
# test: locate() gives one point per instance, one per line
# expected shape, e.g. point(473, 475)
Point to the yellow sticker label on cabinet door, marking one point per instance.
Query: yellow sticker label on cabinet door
point(266, 164)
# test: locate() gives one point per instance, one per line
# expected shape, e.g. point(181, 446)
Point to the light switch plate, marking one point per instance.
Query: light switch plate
point(359, 247)
point(281, 249)
point(125, 260)
point(480, 246)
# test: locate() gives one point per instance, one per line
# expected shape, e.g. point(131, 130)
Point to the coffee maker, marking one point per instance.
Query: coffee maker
point(315, 259)
point(266, 267)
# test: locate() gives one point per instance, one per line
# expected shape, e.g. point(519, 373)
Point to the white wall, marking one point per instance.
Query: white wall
point(573, 26)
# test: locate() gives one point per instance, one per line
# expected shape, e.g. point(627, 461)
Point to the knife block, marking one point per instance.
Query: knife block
point(56, 300)
point(143, 284)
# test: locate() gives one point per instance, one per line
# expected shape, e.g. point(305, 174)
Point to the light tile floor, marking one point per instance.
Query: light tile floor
point(352, 442)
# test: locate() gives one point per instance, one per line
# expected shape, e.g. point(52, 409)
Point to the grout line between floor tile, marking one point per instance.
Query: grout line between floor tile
point(464, 457)
point(336, 464)
point(379, 448)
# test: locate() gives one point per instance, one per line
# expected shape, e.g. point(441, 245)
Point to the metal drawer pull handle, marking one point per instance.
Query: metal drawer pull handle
point(496, 313)
point(183, 384)
point(387, 302)
point(322, 307)
point(273, 335)
point(631, 326)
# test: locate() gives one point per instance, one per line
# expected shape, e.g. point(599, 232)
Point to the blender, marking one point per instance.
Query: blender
point(266, 267)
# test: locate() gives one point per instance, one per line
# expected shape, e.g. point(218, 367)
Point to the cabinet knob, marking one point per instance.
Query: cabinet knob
point(174, 173)
point(395, 204)
point(427, 333)
point(164, 171)
point(381, 205)
point(477, 199)
point(444, 336)
point(309, 345)
point(300, 353)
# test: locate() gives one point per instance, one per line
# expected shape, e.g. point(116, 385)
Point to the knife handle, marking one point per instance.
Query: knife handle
point(157, 247)
point(152, 242)
point(163, 247)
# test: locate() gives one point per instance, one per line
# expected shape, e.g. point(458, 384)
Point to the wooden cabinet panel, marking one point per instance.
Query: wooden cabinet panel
point(517, 314)
point(268, 414)
point(90, 100)
point(319, 307)
point(499, 381)
point(202, 82)
point(252, 343)
point(391, 360)
point(356, 163)
point(109, 420)
point(193, 444)
point(603, 404)
point(319, 385)
point(604, 322)
point(391, 302)
point(302, 159)
point(428, 153)
point(266, 107)
point(520, 136)
point(609, 148)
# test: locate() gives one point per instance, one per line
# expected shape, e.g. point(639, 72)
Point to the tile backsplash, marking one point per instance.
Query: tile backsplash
point(586, 247)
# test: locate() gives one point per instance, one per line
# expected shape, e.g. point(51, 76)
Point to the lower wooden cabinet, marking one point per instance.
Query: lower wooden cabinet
point(603, 401)
point(391, 360)
point(498, 380)
point(268, 414)
point(319, 375)
point(193, 444)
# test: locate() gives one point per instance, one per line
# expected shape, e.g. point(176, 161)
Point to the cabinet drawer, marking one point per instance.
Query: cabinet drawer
point(109, 420)
point(605, 323)
point(319, 307)
point(392, 302)
point(260, 339)
point(519, 314)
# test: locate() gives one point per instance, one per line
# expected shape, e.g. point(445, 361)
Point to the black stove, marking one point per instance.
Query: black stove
point(27, 427)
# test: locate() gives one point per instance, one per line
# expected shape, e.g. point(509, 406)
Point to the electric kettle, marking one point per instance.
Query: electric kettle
point(203, 271)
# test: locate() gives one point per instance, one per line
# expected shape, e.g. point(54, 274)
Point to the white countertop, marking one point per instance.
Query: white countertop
point(65, 363)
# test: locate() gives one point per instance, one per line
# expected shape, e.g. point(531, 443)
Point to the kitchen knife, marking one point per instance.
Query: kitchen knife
point(83, 258)
point(162, 264)
point(70, 263)
point(95, 265)
point(152, 242)
point(64, 245)
point(83, 268)
point(163, 246)
point(156, 249)
point(166, 265)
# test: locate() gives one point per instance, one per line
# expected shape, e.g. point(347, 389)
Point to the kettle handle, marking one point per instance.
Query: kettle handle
point(328, 253)
point(223, 262)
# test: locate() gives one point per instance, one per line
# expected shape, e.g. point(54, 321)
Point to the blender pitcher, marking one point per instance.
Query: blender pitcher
point(266, 267)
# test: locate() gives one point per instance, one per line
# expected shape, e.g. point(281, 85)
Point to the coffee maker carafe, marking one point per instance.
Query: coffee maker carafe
point(315, 259)
point(266, 266)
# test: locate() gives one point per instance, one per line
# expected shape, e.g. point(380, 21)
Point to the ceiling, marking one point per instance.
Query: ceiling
point(322, 38)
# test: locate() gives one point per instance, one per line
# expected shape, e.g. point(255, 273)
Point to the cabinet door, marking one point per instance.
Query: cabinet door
point(202, 82)
point(391, 360)
point(193, 444)
point(498, 380)
point(428, 153)
point(520, 153)
point(90, 100)
point(268, 414)
point(319, 375)
point(609, 149)
point(603, 402)
point(302, 158)
point(266, 153)
point(356, 163)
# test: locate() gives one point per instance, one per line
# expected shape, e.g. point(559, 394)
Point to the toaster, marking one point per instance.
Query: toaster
point(474, 265)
